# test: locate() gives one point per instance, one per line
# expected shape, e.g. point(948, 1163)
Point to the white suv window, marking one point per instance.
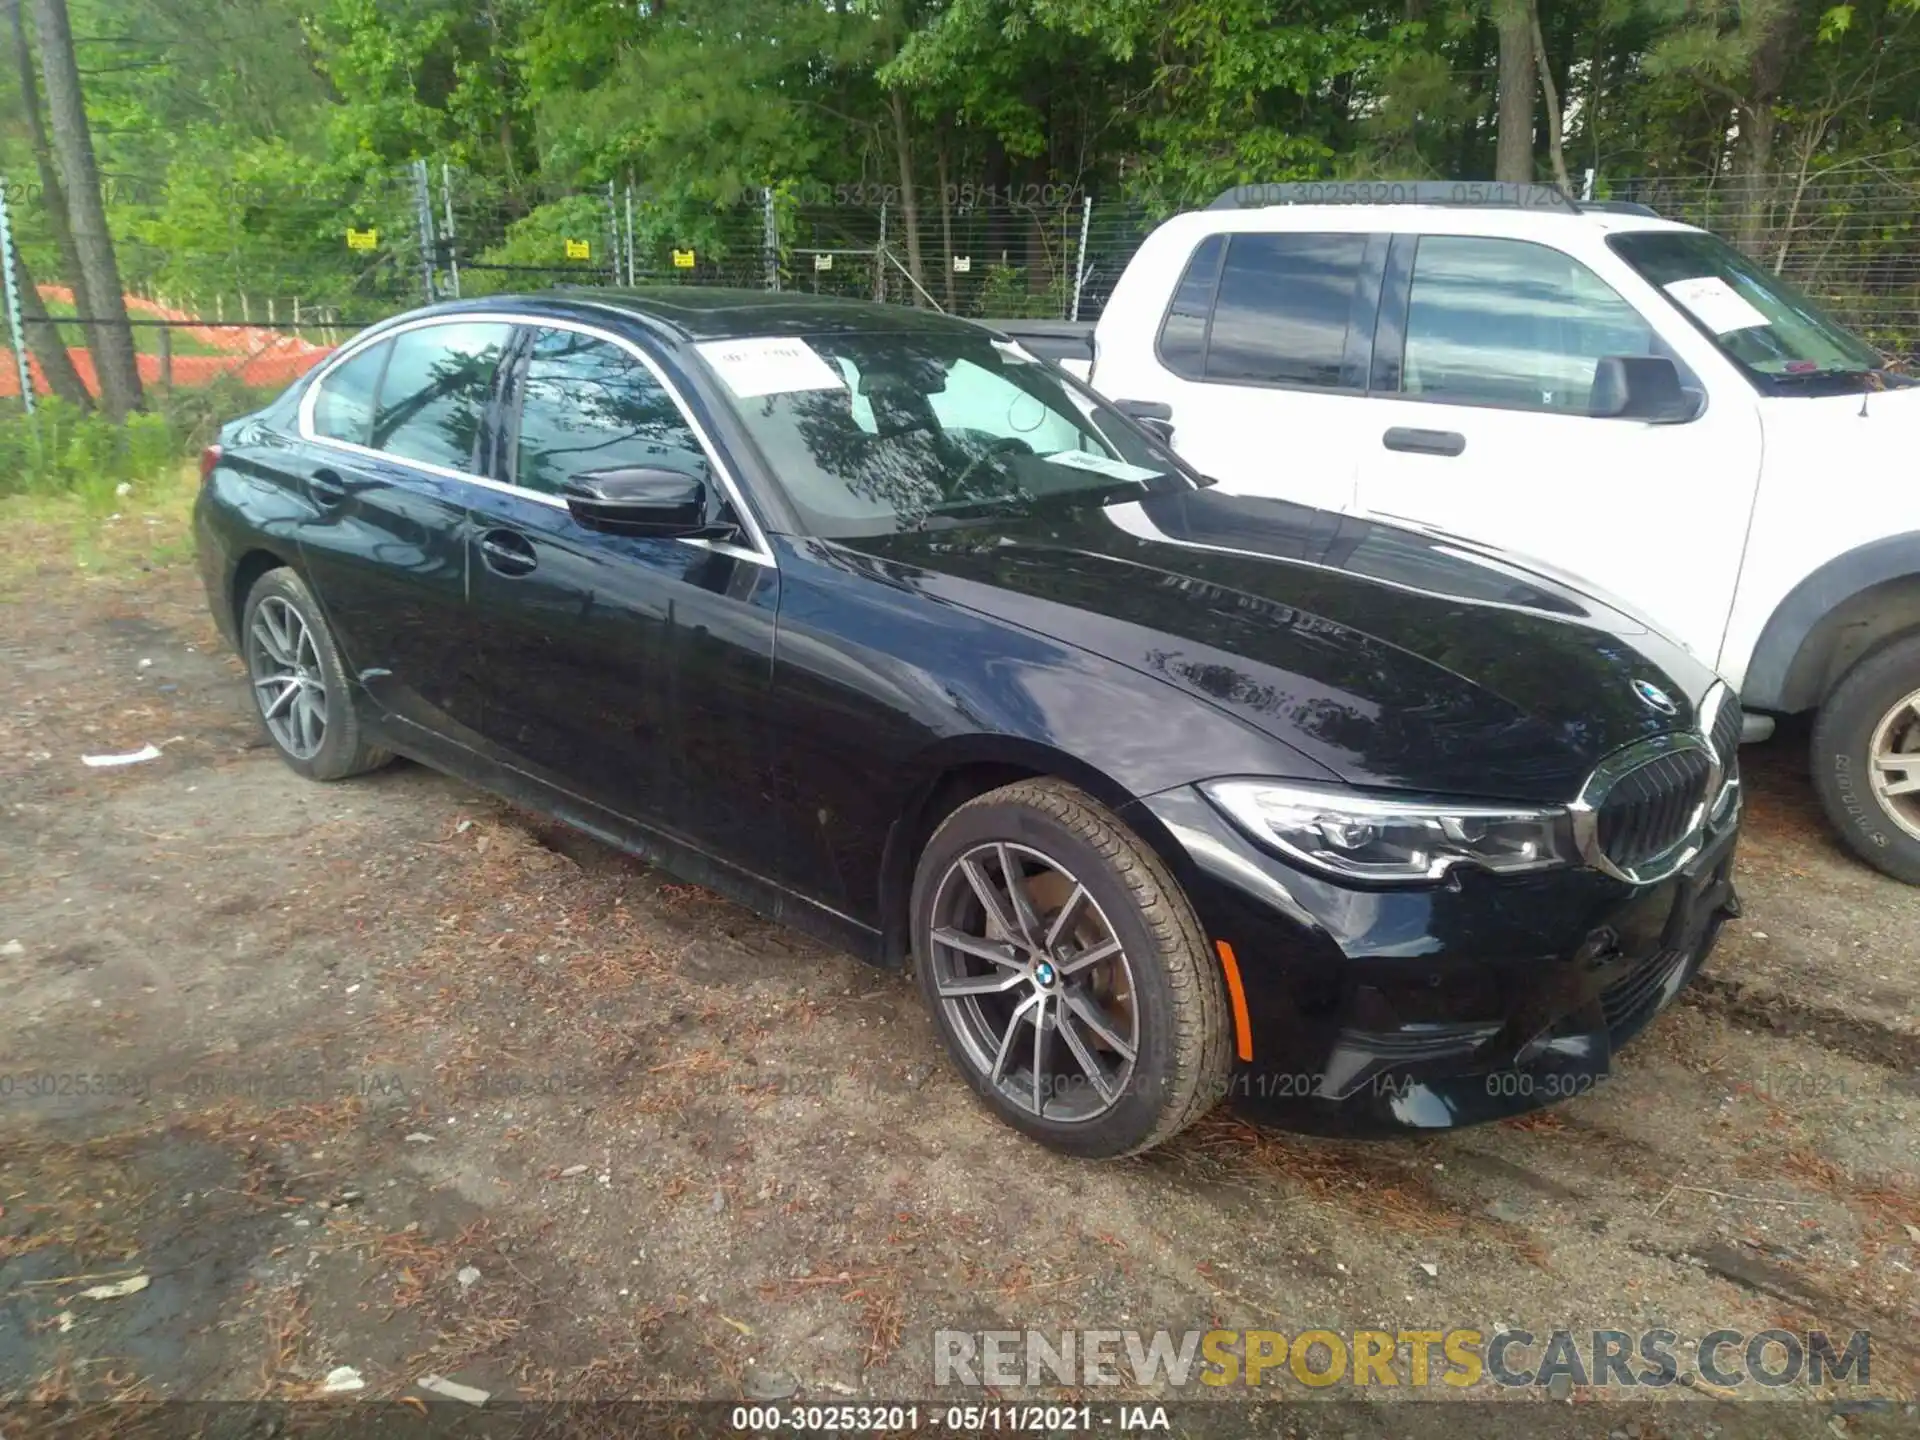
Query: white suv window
point(1513, 324)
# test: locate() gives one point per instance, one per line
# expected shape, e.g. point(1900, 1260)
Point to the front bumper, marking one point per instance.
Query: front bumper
point(1395, 1010)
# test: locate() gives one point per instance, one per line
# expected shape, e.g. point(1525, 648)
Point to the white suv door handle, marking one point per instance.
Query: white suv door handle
point(1424, 442)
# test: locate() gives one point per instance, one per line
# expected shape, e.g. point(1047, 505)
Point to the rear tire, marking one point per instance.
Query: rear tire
point(1873, 717)
point(1132, 1042)
point(299, 684)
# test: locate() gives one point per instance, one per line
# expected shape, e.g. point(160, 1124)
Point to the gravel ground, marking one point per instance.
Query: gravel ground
point(388, 1075)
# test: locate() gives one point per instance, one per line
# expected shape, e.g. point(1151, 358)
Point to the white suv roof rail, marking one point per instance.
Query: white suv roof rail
point(1478, 193)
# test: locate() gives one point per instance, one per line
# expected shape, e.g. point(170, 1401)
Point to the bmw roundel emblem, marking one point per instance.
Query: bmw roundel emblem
point(1655, 698)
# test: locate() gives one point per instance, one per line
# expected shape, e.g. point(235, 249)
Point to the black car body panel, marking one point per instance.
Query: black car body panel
point(784, 719)
point(1385, 656)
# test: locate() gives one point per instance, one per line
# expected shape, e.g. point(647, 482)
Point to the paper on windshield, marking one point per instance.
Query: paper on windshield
point(769, 365)
point(1103, 465)
point(1716, 304)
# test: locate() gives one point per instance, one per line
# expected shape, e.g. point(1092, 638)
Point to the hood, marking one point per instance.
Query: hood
point(1393, 658)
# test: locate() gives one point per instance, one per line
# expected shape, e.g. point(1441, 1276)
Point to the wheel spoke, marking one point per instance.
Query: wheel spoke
point(1908, 786)
point(280, 617)
point(1093, 955)
point(1014, 1022)
point(285, 698)
point(1089, 1015)
point(310, 722)
point(1039, 1054)
point(1017, 893)
point(978, 985)
point(989, 901)
point(981, 949)
point(1084, 1057)
point(1888, 760)
point(1064, 920)
point(270, 640)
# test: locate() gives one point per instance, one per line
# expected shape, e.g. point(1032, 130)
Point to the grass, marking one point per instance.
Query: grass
point(98, 530)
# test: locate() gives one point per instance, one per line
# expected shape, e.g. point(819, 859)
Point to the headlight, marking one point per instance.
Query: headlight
point(1364, 837)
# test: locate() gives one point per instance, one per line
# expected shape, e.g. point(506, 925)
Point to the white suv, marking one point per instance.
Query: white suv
point(1623, 397)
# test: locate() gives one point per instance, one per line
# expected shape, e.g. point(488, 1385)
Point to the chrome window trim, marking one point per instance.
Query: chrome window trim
point(1713, 814)
point(757, 553)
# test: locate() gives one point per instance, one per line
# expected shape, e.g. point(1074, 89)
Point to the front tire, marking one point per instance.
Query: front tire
point(1067, 973)
point(1866, 729)
point(299, 684)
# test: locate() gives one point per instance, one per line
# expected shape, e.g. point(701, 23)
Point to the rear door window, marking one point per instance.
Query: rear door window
point(1283, 308)
point(434, 396)
point(343, 408)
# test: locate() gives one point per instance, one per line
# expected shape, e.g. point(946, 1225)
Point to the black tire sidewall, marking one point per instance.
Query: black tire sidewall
point(1842, 758)
point(1136, 1117)
point(338, 755)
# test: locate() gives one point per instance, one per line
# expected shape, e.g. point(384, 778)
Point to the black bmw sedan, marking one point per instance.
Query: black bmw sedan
point(867, 618)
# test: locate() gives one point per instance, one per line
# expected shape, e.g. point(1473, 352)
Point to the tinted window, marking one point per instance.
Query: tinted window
point(434, 396)
point(589, 405)
point(1183, 335)
point(1504, 322)
point(1283, 308)
point(343, 410)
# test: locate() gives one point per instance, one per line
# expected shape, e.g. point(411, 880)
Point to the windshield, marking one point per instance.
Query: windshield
point(1760, 321)
point(873, 433)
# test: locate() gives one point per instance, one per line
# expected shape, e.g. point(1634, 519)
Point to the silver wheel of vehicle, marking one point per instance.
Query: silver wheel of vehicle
point(1896, 764)
point(288, 681)
point(1035, 982)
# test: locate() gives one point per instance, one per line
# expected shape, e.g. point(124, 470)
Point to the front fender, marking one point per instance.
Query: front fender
point(1826, 621)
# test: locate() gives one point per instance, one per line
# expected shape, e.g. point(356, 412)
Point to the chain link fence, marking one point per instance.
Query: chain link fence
point(284, 273)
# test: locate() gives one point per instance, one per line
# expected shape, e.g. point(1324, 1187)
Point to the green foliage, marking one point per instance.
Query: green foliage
point(1005, 294)
point(60, 451)
point(244, 138)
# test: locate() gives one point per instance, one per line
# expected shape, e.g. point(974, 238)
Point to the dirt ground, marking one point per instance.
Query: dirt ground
point(387, 1075)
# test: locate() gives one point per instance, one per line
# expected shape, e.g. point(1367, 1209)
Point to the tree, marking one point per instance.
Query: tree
point(110, 336)
point(48, 346)
point(44, 339)
point(1513, 156)
point(1550, 99)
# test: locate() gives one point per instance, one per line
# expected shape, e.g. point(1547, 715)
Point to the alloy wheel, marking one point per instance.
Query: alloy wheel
point(288, 681)
point(1035, 982)
point(1896, 764)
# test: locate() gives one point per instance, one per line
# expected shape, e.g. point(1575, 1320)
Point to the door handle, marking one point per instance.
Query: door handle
point(327, 488)
point(1424, 442)
point(507, 553)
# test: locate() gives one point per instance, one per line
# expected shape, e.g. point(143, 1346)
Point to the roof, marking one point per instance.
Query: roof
point(1492, 220)
point(699, 312)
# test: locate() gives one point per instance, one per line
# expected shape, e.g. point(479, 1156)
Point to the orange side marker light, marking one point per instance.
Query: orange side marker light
point(1242, 1027)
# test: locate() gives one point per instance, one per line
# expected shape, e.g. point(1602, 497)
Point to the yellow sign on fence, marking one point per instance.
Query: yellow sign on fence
point(362, 239)
point(683, 259)
point(579, 250)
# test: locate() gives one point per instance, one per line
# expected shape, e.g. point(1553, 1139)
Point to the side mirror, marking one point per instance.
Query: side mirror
point(1641, 387)
point(668, 504)
point(1153, 416)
